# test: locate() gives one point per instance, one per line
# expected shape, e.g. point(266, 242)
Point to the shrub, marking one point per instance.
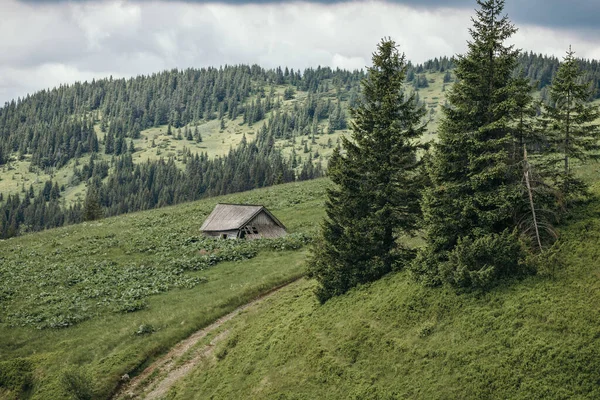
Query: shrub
point(481, 262)
point(131, 305)
point(78, 384)
point(289, 93)
point(16, 375)
point(144, 329)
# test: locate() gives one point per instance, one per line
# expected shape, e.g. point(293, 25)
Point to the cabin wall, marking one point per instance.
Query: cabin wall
point(265, 226)
point(231, 234)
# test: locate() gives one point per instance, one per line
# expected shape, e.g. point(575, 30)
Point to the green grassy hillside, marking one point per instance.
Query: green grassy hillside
point(537, 338)
point(98, 300)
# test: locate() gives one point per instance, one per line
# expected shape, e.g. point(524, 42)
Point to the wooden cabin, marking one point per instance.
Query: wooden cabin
point(242, 221)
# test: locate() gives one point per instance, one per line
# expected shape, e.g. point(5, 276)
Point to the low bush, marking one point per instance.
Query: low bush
point(77, 384)
point(481, 262)
point(16, 375)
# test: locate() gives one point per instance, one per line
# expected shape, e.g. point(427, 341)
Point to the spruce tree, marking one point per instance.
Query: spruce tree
point(447, 77)
point(376, 196)
point(570, 129)
point(92, 209)
point(470, 208)
point(109, 145)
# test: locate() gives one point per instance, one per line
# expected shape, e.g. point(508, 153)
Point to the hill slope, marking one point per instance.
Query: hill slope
point(90, 302)
point(392, 339)
point(537, 338)
point(46, 134)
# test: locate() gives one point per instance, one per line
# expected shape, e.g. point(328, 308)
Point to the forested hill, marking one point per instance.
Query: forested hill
point(537, 68)
point(140, 143)
point(111, 146)
point(55, 125)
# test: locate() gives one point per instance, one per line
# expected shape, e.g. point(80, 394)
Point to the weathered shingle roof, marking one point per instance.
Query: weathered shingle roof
point(227, 217)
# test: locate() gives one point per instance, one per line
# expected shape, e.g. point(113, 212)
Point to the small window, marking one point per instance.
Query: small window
point(223, 236)
point(254, 230)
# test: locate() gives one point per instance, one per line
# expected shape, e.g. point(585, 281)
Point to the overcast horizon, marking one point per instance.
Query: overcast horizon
point(53, 42)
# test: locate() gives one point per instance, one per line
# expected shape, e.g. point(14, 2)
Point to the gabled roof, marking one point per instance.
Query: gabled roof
point(227, 217)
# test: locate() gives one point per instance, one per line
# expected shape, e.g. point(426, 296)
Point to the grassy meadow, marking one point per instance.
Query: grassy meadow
point(94, 301)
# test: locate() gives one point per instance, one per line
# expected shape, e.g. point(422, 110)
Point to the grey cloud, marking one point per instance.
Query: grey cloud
point(580, 14)
point(573, 14)
point(84, 40)
point(61, 42)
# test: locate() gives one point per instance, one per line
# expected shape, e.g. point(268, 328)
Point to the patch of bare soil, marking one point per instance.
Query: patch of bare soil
point(156, 380)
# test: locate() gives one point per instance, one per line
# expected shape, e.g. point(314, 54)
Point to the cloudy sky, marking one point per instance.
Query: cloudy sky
point(49, 42)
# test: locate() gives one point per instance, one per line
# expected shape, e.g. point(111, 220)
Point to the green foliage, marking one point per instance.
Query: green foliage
point(447, 77)
point(476, 188)
point(66, 288)
point(77, 383)
point(16, 375)
point(480, 263)
point(158, 183)
point(289, 93)
point(550, 261)
point(144, 329)
point(92, 209)
point(376, 191)
point(570, 128)
point(45, 142)
point(421, 81)
point(395, 338)
point(76, 278)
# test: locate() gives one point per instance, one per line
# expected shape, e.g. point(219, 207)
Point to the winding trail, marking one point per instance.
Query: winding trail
point(156, 380)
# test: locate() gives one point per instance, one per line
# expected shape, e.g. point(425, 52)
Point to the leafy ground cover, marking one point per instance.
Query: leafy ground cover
point(126, 289)
point(65, 284)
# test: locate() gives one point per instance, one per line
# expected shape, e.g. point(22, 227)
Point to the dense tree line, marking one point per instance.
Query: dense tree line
point(134, 187)
point(304, 118)
point(539, 69)
point(56, 125)
point(28, 212)
point(543, 69)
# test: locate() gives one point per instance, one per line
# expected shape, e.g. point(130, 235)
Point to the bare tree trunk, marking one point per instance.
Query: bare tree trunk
point(531, 203)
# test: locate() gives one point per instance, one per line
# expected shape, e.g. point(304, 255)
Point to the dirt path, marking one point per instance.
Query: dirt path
point(156, 380)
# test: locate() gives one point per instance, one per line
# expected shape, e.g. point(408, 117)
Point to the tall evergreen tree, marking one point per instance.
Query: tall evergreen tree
point(109, 145)
point(92, 209)
point(571, 131)
point(475, 192)
point(376, 195)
